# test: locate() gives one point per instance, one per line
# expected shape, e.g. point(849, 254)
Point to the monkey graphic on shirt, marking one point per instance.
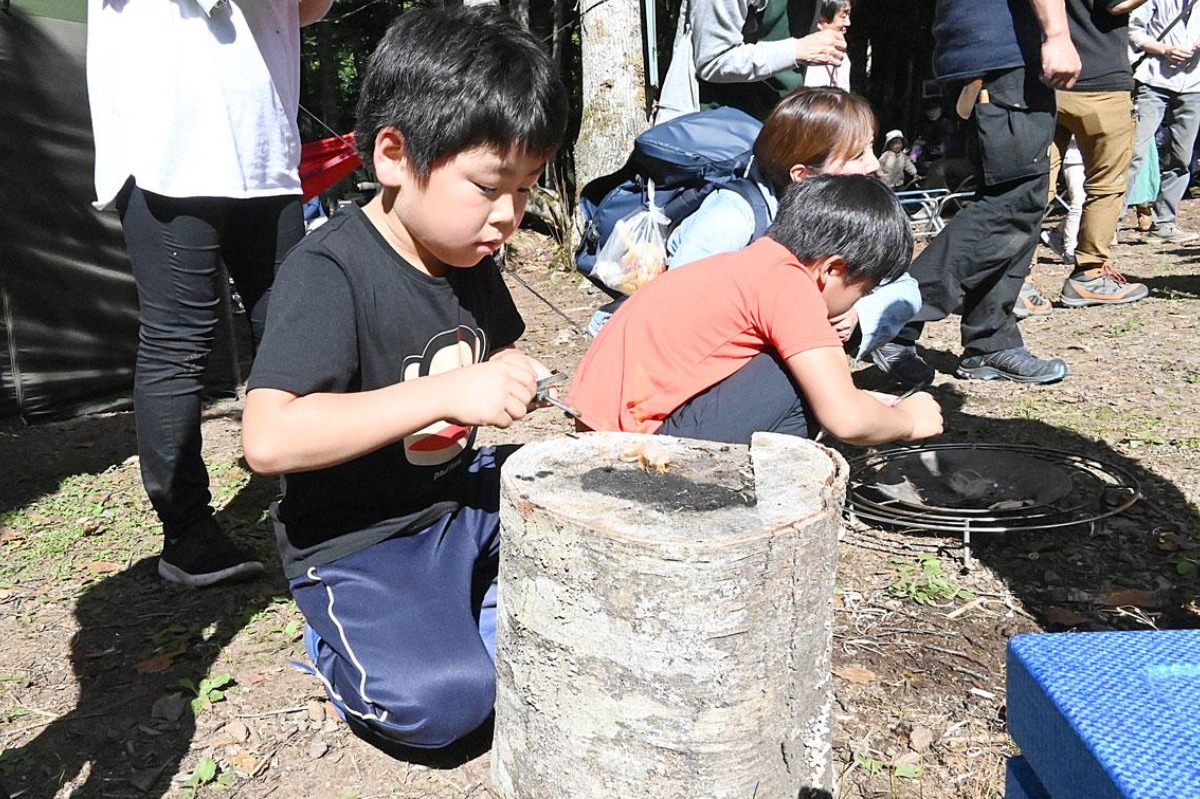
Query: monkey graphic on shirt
point(442, 441)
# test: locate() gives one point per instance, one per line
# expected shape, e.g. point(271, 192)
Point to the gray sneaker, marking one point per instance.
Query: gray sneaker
point(1016, 363)
point(1031, 301)
point(1101, 285)
point(1171, 234)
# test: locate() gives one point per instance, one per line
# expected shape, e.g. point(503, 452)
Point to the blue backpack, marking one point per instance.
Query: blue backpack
point(687, 158)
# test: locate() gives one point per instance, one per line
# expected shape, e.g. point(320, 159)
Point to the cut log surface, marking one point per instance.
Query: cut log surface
point(665, 621)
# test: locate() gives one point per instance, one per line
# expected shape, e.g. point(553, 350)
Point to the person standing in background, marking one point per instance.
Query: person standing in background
point(745, 54)
point(896, 168)
point(1098, 112)
point(1166, 33)
point(990, 54)
point(1064, 237)
point(832, 15)
point(194, 108)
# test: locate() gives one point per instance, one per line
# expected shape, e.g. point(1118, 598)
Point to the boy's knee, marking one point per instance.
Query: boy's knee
point(438, 707)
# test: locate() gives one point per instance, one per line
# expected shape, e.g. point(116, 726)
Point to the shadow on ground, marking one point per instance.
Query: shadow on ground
point(1124, 572)
point(137, 639)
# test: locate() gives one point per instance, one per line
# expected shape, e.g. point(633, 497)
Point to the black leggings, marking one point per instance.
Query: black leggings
point(176, 246)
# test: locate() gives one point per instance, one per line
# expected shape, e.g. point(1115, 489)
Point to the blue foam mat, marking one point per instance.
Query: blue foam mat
point(1020, 782)
point(1108, 715)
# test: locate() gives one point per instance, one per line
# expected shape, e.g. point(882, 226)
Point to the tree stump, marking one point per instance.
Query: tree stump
point(666, 618)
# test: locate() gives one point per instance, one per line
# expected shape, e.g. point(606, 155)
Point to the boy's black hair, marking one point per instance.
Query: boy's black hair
point(853, 216)
point(450, 79)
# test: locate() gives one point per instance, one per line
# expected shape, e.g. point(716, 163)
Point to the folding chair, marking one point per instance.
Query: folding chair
point(924, 209)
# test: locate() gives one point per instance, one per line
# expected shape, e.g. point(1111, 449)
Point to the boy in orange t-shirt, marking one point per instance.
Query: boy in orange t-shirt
point(741, 342)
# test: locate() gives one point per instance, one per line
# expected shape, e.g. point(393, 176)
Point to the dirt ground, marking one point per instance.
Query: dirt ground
point(102, 676)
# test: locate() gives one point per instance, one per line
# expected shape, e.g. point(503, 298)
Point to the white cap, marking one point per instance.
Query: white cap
point(893, 134)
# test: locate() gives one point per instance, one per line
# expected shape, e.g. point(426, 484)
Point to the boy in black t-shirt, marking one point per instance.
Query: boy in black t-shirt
point(390, 337)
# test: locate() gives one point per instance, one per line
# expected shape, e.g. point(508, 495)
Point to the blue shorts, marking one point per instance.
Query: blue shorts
point(762, 396)
point(405, 629)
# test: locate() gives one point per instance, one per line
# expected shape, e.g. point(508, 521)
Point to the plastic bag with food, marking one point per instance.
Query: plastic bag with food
point(637, 249)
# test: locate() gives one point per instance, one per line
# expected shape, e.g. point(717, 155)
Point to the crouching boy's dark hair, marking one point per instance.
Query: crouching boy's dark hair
point(450, 79)
point(854, 216)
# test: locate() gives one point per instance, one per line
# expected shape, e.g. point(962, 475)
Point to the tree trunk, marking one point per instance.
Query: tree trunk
point(614, 86)
point(559, 36)
point(666, 616)
point(328, 91)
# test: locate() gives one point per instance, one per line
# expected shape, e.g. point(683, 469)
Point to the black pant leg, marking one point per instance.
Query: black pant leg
point(977, 264)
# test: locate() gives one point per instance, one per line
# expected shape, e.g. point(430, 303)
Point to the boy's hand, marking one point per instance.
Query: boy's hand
point(925, 413)
point(844, 325)
point(495, 393)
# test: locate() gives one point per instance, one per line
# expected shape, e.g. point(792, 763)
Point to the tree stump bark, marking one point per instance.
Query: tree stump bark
point(666, 618)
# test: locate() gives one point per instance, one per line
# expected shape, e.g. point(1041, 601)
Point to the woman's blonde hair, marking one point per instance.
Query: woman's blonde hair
point(812, 127)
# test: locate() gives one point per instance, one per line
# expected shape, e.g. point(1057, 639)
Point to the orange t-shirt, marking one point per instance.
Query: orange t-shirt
point(691, 328)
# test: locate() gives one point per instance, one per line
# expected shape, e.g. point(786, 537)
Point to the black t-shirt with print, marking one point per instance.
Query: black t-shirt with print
point(348, 313)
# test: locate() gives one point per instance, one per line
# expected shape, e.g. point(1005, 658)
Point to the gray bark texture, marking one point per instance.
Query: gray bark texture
point(665, 625)
point(613, 87)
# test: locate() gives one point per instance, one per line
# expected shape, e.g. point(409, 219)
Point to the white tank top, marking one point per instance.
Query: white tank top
point(192, 106)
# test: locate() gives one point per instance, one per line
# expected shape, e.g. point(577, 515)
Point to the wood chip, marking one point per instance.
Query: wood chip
point(169, 707)
point(1132, 596)
point(856, 674)
point(920, 739)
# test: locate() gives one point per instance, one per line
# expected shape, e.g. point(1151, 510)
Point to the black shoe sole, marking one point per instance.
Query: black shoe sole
point(992, 373)
point(240, 571)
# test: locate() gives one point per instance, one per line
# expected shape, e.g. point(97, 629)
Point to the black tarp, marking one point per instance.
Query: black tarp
point(68, 306)
point(68, 333)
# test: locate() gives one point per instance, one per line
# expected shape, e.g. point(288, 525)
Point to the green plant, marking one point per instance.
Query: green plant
point(16, 760)
point(206, 773)
point(870, 765)
point(1127, 326)
point(210, 691)
point(924, 582)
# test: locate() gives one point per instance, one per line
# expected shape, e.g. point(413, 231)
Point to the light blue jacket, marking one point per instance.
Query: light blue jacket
point(724, 222)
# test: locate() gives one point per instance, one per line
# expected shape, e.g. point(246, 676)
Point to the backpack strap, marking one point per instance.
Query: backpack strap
point(748, 190)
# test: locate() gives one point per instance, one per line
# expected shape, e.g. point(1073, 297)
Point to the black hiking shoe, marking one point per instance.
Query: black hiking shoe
point(902, 363)
point(1016, 363)
point(204, 556)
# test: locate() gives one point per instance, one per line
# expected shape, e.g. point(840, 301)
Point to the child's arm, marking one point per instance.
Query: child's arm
point(852, 415)
point(283, 432)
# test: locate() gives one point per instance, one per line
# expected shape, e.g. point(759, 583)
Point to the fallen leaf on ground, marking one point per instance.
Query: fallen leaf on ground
point(103, 567)
point(162, 662)
point(1132, 596)
point(856, 674)
point(169, 707)
point(920, 739)
point(1065, 617)
point(244, 762)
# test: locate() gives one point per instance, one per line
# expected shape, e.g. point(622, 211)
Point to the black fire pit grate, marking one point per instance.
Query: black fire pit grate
point(984, 488)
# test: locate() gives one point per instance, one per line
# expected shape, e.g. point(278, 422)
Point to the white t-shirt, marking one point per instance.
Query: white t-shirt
point(192, 106)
